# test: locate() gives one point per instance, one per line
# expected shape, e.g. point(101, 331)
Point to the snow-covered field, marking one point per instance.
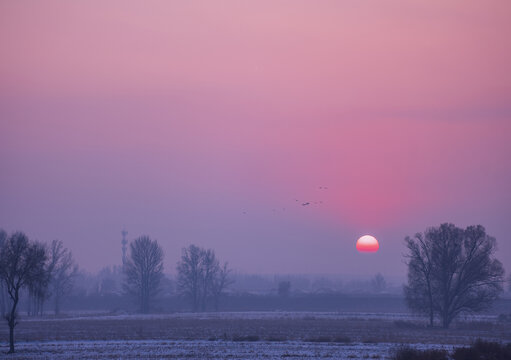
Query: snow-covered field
point(148, 349)
point(239, 335)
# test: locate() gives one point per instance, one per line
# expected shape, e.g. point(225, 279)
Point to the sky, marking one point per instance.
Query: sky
point(212, 122)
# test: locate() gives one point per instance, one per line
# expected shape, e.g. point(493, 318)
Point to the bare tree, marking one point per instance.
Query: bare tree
point(210, 270)
point(38, 293)
point(378, 283)
point(220, 282)
point(200, 277)
point(109, 279)
point(419, 291)
point(144, 270)
point(57, 281)
point(451, 270)
point(62, 271)
point(190, 274)
point(21, 264)
point(3, 289)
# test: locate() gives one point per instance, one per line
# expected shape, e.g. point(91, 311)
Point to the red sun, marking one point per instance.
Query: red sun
point(367, 243)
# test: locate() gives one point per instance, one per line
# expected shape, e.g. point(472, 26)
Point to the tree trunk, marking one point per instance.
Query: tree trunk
point(144, 301)
point(11, 337)
point(2, 299)
point(29, 305)
point(12, 322)
point(57, 304)
point(431, 314)
point(446, 320)
point(203, 305)
point(41, 306)
point(195, 300)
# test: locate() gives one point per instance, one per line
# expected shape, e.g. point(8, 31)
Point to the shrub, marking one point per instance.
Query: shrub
point(276, 338)
point(342, 339)
point(504, 318)
point(245, 338)
point(483, 350)
point(319, 339)
point(408, 353)
point(370, 341)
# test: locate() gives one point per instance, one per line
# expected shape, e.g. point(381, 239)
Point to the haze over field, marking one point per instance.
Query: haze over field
point(213, 123)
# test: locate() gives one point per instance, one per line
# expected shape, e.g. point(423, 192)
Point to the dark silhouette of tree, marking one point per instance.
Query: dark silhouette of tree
point(144, 270)
point(59, 273)
point(419, 291)
point(200, 277)
point(190, 274)
point(21, 265)
point(451, 270)
point(62, 271)
point(210, 269)
point(38, 293)
point(3, 289)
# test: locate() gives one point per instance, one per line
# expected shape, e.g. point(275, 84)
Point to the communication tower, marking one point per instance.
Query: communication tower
point(124, 243)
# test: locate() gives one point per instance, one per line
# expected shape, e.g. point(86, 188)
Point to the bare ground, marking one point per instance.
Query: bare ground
point(277, 327)
point(275, 335)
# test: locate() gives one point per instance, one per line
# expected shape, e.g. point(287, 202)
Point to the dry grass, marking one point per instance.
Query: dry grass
point(195, 328)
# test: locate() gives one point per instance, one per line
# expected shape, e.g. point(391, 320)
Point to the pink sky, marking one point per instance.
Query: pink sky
point(199, 122)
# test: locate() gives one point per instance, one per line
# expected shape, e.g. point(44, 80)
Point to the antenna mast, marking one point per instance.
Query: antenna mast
point(124, 243)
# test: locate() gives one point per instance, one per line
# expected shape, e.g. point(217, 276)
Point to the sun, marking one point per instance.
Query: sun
point(367, 243)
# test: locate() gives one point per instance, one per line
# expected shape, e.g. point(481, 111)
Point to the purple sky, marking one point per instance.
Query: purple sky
point(204, 122)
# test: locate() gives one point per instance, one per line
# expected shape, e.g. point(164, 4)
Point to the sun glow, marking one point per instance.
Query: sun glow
point(367, 243)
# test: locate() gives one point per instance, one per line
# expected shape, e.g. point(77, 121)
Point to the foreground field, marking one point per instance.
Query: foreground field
point(200, 349)
point(268, 335)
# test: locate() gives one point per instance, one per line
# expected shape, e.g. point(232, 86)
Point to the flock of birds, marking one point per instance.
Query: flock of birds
point(302, 203)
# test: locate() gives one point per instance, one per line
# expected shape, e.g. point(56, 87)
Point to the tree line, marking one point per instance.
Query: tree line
point(42, 270)
point(47, 271)
point(450, 271)
point(201, 278)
